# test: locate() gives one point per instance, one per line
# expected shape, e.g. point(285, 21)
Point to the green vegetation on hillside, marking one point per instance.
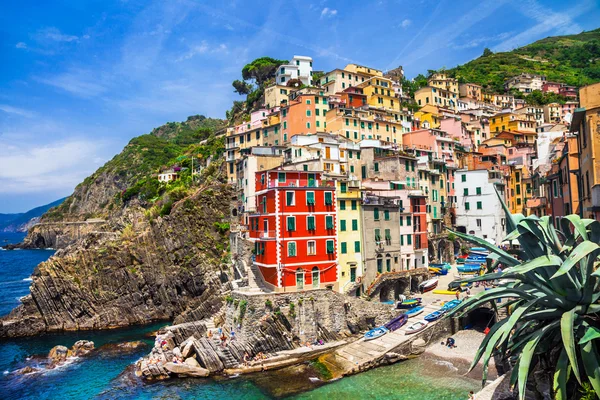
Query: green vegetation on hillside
point(571, 59)
point(135, 168)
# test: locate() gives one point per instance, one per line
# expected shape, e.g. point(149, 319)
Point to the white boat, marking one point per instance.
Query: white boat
point(416, 327)
point(428, 285)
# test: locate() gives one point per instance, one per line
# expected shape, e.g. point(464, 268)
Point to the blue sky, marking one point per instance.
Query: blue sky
point(79, 79)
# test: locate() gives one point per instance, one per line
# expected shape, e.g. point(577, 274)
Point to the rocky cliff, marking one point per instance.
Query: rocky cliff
point(130, 249)
point(154, 270)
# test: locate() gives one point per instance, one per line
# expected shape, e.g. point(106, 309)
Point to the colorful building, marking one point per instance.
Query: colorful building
point(294, 230)
point(349, 230)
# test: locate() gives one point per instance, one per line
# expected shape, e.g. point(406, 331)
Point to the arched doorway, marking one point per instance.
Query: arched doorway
point(300, 279)
point(388, 263)
point(379, 263)
point(315, 278)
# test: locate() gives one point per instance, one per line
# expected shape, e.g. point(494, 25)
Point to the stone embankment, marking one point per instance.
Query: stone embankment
point(276, 330)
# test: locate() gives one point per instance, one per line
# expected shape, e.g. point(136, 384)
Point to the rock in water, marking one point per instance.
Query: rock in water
point(58, 354)
point(82, 347)
point(26, 370)
point(186, 369)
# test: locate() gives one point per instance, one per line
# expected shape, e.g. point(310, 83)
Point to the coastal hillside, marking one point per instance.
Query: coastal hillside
point(131, 174)
point(570, 59)
point(158, 249)
point(21, 222)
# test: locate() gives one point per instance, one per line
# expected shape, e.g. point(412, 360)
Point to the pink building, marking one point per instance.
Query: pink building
point(551, 87)
point(569, 108)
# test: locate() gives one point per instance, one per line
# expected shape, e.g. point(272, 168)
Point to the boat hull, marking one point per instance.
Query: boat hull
point(416, 327)
point(376, 333)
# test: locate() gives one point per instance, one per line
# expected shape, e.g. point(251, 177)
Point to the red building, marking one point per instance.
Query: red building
point(294, 230)
point(418, 208)
point(568, 91)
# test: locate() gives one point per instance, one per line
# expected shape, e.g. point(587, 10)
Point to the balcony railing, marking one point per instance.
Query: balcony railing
point(537, 202)
point(267, 234)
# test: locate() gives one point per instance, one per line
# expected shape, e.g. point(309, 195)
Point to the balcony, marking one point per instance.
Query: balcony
point(537, 202)
point(267, 234)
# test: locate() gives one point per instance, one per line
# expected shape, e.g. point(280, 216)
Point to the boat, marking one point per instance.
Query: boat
point(397, 322)
point(434, 316)
point(376, 332)
point(439, 269)
point(468, 268)
point(416, 327)
point(428, 285)
point(449, 305)
point(461, 259)
point(408, 303)
point(414, 311)
point(449, 292)
point(479, 250)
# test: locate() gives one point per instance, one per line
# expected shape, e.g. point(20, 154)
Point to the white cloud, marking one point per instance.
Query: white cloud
point(16, 111)
point(202, 48)
point(405, 23)
point(481, 40)
point(78, 82)
point(547, 21)
point(26, 168)
point(54, 34)
point(328, 12)
point(21, 45)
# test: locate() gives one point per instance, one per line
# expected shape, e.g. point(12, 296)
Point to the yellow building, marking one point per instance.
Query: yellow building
point(350, 246)
point(380, 93)
point(437, 97)
point(512, 122)
point(263, 129)
point(275, 94)
point(441, 80)
point(360, 69)
point(518, 175)
point(360, 124)
point(586, 124)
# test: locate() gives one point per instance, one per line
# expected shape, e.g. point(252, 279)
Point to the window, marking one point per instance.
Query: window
point(343, 187)
point(342, 205)
point(329, 247)
point(290, 199)
point(291, 224)
point(291, 249)
point(401, 221)
point(329, 221)
point(308, 113)
point(467, 206)
point(386, 215)
point(310, 198)
point(408, 239)
point(357, 247)
point(328, 198)
point(281, 177)
point(478, 221)
point(408, 220)
point(479, 205)
point(342, 225)
point(378, 235)
point(310, 223)
point(555, 187)
point(376, 214)
point(478, 190)
point(401, 240)
point(380, 265)
point(388, 237)
point(354, 204)
point(344, 248)
point(308, 125)
point(354, 224)
point(376, 167)
point(466, 191)
point(463, 178)
point(311, 248)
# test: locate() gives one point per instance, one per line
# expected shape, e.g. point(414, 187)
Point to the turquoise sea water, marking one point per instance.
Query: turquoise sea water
point(106, 375)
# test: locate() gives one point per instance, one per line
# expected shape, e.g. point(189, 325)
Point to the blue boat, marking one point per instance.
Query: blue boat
point(479, 250)
point(468, 268)
point(375, 333)
point(449, 305)
point(414, 311)
point(434, 316)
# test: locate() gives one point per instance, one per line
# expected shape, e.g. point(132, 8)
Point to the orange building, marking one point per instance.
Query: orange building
point(304, 113)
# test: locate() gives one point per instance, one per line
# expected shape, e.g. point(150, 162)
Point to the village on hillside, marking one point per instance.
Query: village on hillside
point(346, 178)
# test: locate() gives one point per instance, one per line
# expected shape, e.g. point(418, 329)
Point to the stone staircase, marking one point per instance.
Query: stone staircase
point(256, 284)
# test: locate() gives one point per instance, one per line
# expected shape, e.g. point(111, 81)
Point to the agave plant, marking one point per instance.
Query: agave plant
point(552, 287)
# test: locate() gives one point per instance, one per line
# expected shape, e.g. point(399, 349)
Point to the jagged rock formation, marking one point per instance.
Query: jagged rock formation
point(263, 324)
point(60, 235)
point(168, 265)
